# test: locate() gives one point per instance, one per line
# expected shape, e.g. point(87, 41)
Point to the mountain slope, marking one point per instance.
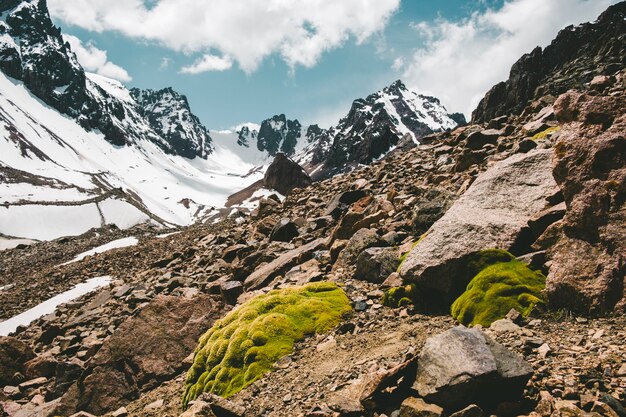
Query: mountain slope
point(58, 179)
point(33, 51)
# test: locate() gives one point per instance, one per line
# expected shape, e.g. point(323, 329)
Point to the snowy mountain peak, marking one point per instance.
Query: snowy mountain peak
point(32, 50)
point(170, 116)
point(374, 125)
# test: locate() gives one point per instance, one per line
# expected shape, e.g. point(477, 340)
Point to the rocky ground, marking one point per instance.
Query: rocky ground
point(546, 185)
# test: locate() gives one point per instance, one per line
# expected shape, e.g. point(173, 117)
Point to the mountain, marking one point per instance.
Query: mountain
point(372, 128)
point(32, 50)
point(479, 273)
point(80, 151)
point(376, 124)
point(169, 115)
point(569, 62)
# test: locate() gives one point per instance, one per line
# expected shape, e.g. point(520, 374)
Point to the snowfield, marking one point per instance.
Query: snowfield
point(67, 177)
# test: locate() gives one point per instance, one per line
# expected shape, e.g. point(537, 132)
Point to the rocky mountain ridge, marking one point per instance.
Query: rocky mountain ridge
point(373, 126)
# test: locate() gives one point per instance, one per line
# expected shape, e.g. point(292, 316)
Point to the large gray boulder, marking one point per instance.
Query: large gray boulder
point(493, 213)
point(463, 366)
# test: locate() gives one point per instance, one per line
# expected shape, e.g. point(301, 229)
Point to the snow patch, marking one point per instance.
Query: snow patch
point(48, 307)
point(115, 244)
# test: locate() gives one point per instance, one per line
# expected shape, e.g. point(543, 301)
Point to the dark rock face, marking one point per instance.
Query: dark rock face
point(279, 134)
point(283, 175)
point(145, 350)
point(463, 366)
point(170, 116)
point(34, 52)
point(570, 61)
point(589, 258)
point(284, 231)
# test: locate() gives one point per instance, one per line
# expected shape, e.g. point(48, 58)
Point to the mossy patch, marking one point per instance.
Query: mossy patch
point(549, 131)
point(243, 346)
point(495, 290)
point(400, 296)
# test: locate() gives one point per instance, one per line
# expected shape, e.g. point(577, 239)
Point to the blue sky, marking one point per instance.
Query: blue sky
point(454, 49)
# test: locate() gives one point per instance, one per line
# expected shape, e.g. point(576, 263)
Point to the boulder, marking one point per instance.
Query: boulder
point(283, 175)
point(145, 350)
point(284, 231)
point(264, 274)
point(493, 213)
point(342, 200)
point(361, 240)
point(376, 264)
point(588, 260)
point(13, 355)
point(463, 366)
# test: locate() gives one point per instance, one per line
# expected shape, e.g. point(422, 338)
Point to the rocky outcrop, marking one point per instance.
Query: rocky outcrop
point(146, 350)
point(283, 175)
point(493, 213)
point(169, 114)
point(588, 260)
point(576, 55)
point(278, 134)
point(463, 366)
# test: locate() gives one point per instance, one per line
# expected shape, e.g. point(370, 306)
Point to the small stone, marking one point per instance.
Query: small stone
point(416, 407)
point(33, 383)
point(622, 370)
point(155, 405)
point(360, 306)
point(287, 398)
point(603, 409)
point(469, 411)
point(11, 391)
point(504, 326)
point(514, 316)
point(598, 334)
point(120, 412)
point(544, 350)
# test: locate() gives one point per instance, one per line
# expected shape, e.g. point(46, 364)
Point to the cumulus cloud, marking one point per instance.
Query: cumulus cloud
point(208, 63)
point(247, 31)
point(461, 60)
point(95, 60)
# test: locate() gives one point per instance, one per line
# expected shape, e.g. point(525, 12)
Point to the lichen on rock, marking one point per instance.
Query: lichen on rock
point(243, 346)
point(497, 289)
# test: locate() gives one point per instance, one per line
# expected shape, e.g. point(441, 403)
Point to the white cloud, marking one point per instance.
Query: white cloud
point(462, 60)
point(95, 60)
point(165, 63)
point(245, 30)
point(208, 63)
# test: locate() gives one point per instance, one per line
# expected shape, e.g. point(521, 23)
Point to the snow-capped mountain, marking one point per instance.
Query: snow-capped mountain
point(170, 116)
point(372, 128)
point(78, 150)
point(376, 124)
point(33, 51)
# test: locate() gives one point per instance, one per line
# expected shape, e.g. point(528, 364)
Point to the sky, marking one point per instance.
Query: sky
point(245, 60)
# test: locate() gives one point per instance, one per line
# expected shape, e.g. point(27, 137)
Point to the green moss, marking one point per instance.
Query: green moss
point(497, 289)
point(549, 131)
point(400, 296)
point(243, 346)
